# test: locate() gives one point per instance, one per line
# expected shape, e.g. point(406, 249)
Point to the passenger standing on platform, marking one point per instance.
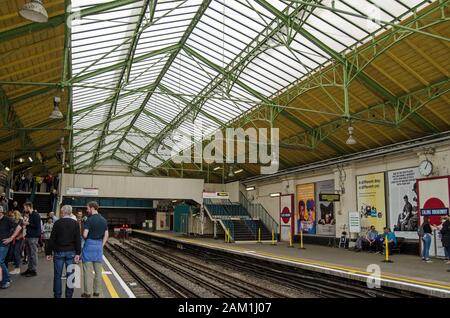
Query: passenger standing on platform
point(4, 202)
point(47, 231)
point(7, 227)
point(80, 221)
point(96, 235)
point(33, 234)
point(425, 234)
point(53, 216)
point(17, 244)
point(65, 244)
point(445, 232)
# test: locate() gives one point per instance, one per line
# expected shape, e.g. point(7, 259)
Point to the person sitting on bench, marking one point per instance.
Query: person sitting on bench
point(390, 237)
point(368, 241)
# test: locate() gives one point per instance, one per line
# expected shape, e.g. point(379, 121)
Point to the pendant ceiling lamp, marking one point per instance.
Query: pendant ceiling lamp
point(34, 11)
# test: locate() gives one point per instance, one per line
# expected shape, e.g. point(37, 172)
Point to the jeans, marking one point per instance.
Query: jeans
point(17, 253)
point(426, 239)
point(88, 268)
point(3, 254)
point(59, 260)
point(32, 244)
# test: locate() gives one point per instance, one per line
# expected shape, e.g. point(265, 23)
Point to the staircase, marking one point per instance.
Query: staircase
point(259, 214)
point(243, 232)
point(235, 219)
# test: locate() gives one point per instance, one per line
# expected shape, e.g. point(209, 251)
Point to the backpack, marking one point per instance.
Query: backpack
point(420, 231)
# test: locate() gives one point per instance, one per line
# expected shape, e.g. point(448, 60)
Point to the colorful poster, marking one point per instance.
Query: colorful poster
point(371, 201)
point(403, 212)
point(306, 209)
point(326, 218)
point(286, 217)
point(434, 196)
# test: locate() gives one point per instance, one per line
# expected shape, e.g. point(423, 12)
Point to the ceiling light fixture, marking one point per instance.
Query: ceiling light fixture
point(217, 168)
point(351, 140)
point(275, 194)
point(56, 113)
point(30, 159)
point(238, 171)
point(250, 188)
point(7, 168)
point(21, 160)
point(34, 11)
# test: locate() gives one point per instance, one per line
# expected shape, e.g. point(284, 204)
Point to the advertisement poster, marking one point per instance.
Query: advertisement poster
point(286, 217)
point(403, 211)
point(306, 209)
point(371, 201)
point(326, 217)
point(434, 197)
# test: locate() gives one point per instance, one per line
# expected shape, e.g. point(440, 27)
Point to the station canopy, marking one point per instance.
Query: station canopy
point(133, 72)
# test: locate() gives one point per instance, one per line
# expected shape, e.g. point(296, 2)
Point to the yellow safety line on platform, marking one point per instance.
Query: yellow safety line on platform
point(302, 261)
point(110, 286)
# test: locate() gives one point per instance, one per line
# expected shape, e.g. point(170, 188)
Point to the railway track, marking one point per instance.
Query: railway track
point(147, 275)
point(203, 275)
point(314, 283)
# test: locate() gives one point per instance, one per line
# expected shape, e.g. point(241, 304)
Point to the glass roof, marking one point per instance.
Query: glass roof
point(140, 70)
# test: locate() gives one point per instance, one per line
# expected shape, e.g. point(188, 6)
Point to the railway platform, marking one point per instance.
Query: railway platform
point(407, 272)
point(41, 286)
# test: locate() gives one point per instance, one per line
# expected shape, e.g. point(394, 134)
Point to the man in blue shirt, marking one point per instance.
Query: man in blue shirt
point(95, 233)
point(391, 239)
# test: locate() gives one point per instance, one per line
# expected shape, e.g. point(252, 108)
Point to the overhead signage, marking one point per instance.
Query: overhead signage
point(330, 197)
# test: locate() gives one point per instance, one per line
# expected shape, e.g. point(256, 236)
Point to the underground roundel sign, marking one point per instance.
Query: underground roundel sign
point(286, 215)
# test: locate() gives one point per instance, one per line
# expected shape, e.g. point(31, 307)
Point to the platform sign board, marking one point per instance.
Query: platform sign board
point(434, 200)
point(371, 201)
point(286, 217)
point(403, 211)
point(354, 222)
point(216, 195)
point(326, 217)
point(82, 192)
point(306, 208)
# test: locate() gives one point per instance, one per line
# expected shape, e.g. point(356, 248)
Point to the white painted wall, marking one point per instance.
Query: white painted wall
point(138, 187)
point(440, 159)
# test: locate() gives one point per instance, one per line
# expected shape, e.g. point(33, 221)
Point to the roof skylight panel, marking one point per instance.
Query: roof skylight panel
point(129, 103)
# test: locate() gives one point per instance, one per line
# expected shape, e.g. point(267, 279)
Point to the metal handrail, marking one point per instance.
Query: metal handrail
point(259, 212)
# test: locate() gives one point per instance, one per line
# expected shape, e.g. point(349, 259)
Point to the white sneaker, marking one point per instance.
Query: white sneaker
point(428, 261)
point(16, 271)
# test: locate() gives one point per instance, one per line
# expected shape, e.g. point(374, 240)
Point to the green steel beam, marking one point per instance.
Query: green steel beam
point(265, 100)
point(5, 108)
point(186, 102)
point(378, 114)
point(41, 91)
point(79, 131)
point(170, 48)
point(109, 100)
point(383, 23)
point(236, 65)
point(201, 10)
point(60, 19)
point(370, 82)
point(151, 4)
point(122, 80)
